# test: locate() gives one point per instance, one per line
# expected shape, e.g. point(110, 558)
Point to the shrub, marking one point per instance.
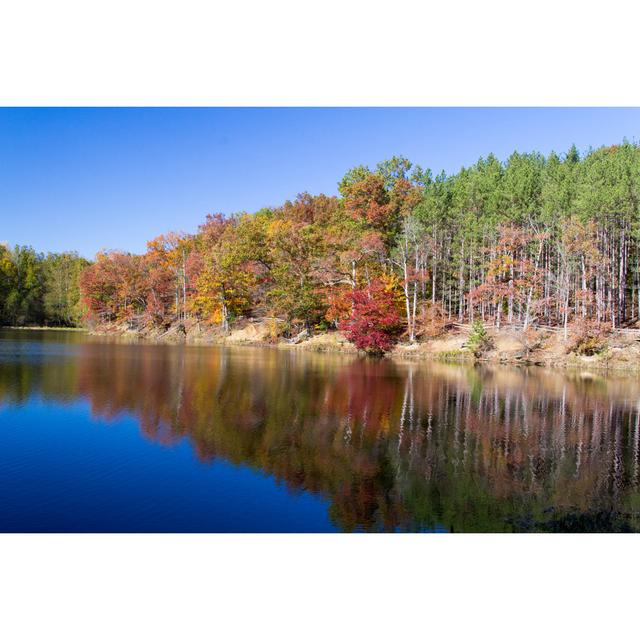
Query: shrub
point(589, 338)
point(375, 323)
point(274, 330)
point(479, 340)
point(530, 339)
point(432, 320)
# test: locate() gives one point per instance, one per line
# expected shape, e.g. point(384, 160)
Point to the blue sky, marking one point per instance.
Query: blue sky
point(88, 179)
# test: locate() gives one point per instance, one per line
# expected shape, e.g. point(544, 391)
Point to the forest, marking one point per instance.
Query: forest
point(400, 254)
point(40, 290)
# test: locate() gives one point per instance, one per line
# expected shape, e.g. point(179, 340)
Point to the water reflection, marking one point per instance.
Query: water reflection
point(392, 447)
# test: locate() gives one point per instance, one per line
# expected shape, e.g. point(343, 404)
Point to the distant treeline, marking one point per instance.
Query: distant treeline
point(40, 290)
point(535, 239)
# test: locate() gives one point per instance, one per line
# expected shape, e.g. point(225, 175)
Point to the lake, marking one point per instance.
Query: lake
point(101, 435)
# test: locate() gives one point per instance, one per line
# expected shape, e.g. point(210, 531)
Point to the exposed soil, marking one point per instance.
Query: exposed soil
point(543, 346)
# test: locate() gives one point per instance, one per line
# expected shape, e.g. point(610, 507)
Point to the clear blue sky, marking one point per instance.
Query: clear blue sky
point(88, 179)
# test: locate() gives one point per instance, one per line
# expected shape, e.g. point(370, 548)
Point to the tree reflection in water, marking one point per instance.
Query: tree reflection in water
point(392, 446)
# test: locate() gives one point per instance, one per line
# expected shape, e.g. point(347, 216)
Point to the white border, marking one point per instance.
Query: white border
point(318, 586)
point(335, 52)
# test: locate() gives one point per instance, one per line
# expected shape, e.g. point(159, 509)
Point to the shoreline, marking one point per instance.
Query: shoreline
point(76, 329)
point(620, 353)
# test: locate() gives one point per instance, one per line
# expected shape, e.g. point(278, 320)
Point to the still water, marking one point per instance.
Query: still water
point(102, 435)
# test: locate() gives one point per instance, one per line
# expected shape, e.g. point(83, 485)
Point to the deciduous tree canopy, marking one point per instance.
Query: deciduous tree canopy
point(37, 289)
point(532, 240)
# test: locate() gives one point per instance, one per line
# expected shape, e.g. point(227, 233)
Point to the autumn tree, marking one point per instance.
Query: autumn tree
point(114, 287)
point(375, 322)
point(526, 240)
point(166, 258)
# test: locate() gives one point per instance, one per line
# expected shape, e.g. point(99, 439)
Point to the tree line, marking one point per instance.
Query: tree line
point(37, 289)
point(533, 240)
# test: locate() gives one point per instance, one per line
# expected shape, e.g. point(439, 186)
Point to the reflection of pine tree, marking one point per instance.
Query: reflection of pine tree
point(391, 446)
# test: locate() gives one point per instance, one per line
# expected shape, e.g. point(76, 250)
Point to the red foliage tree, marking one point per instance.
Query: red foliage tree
point(114, 286)
point(375, 322)
point(368, 201)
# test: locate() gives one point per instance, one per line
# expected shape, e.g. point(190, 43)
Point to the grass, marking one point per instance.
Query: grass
point(455, 354)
